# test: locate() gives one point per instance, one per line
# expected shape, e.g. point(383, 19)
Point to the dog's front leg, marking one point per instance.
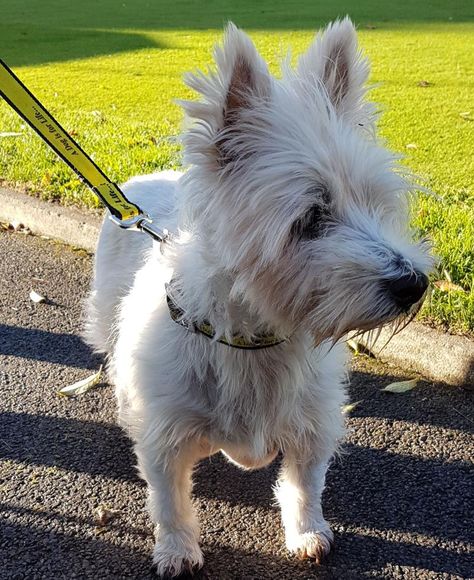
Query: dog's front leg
point(299, 491)
point(169, 487)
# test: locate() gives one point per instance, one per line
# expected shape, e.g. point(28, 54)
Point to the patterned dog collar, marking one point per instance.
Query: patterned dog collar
point(206, 328)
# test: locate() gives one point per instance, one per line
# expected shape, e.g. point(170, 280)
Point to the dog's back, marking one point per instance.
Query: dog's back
point(120, 253)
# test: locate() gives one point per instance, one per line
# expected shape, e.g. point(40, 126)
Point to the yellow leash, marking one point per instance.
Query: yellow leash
point(124, 213)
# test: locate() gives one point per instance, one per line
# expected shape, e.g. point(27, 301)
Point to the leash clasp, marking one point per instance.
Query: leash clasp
point(144, 223)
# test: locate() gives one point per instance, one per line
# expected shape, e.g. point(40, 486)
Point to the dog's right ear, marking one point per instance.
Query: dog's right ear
point(244, 72)
point(239, 81)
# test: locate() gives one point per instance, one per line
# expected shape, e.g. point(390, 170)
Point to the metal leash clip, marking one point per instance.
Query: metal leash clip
point(144, 223)
point(33, 112)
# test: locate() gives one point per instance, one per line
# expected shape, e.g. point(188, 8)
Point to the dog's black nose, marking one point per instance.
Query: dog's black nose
point(408, 289)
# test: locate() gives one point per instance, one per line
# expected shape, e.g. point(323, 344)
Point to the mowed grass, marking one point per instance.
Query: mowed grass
point(109, 72)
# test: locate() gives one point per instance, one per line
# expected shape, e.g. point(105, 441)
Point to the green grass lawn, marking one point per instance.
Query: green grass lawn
point(109, 71)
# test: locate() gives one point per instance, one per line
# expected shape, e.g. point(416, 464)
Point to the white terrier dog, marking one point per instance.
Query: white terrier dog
point(290, 228)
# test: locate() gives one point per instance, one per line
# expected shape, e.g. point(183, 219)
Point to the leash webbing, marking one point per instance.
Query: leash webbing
point(125, 213)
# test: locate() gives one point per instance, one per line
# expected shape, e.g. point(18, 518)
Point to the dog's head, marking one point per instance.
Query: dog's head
point(292, 194)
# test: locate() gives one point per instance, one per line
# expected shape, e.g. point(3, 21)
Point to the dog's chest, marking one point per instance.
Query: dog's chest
point(258, 401)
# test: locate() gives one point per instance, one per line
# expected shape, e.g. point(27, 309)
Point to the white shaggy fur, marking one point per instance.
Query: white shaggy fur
point(290, 219)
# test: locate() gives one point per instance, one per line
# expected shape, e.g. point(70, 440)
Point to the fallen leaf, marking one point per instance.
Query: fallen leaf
point(37, 298)
point(16, 225)
point(99, 116)
point(82, 386)
point(466, 115)
point(353, 345)
point(424, 84)
point(346, 409)
point(104, 516)
point(411, 146)
point(400, 387)
point(359, 348)
point(448, 286)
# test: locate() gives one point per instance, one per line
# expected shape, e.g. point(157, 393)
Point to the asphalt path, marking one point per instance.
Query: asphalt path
point(400, 496)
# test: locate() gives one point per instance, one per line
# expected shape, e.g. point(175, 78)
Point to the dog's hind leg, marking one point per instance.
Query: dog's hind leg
point(169, 486)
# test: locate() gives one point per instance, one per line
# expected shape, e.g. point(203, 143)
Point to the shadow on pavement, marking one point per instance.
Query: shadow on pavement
point(65, 555)
point(81, 446)
point(429, 404)
point(386, 505)
point(41, 345)
point(55, 518)
point(374, 488)
point(88, 556)
point(381, 494)
point(353, 556)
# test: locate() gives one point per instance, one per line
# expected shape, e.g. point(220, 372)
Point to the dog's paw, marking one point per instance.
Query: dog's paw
point(194, 574)
point(178, 556)
point(313, 545)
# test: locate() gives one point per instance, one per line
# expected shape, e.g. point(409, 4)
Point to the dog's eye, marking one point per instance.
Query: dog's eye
point(325, 196)
point(312, 224)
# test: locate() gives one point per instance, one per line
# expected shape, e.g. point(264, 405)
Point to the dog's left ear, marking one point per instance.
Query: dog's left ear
point(335, 60)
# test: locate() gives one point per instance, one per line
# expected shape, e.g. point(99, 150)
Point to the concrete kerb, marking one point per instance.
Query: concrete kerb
point(435, 355)
point(68, 224)
point(431, 353)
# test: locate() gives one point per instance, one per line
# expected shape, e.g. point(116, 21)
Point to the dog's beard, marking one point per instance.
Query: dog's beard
point(394, 326)
point(371, 328)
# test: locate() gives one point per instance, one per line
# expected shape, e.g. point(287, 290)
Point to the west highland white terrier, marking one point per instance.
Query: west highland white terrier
point(289, 229)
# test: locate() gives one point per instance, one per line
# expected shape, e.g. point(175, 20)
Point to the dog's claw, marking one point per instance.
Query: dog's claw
point(318, 556)
point(316, 546)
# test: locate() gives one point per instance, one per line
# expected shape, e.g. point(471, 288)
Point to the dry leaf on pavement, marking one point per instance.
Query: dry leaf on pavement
point(81, 386)
point(36, 298)
point(401, 386)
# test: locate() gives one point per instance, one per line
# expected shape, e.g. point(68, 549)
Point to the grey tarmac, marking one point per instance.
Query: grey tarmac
point(399, 496)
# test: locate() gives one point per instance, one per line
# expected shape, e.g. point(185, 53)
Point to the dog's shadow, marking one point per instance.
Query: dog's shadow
point(387, 507)
point(406, 509)
point(370, 496)
point(217, 479)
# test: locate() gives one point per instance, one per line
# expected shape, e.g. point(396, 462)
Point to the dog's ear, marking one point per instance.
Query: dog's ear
point(335, 60)
point(240, 80)
point(244, 72)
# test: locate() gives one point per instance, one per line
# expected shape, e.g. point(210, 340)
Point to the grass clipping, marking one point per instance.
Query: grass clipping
point(82, 386)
